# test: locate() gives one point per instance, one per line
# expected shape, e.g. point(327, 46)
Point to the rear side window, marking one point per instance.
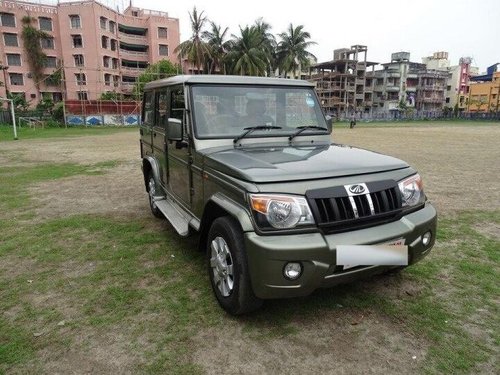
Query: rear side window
point(148, 109)
point(177, 103)
point(162, 109)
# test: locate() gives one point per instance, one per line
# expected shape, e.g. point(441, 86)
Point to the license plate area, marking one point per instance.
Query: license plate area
point(393, 253)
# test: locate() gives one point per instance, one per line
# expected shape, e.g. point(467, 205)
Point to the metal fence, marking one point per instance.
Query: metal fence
point(423, 115)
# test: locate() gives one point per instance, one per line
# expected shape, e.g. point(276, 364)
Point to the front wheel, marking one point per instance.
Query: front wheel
point(228, 268)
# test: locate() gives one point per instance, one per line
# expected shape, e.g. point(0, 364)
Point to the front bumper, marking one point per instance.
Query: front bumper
point(267, 255)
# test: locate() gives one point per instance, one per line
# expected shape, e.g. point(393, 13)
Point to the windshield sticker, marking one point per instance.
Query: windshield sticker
point(310, 102)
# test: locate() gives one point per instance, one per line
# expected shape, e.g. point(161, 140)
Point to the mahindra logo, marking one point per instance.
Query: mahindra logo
point(357, 189)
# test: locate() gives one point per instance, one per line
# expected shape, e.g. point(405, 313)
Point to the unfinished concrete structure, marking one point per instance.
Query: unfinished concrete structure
point(342, 84)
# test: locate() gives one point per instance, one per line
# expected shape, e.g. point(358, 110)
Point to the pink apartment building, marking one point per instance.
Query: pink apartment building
point(98, 48)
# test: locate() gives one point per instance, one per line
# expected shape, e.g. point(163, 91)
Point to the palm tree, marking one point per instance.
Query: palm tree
point(195, 49)
point(219, 47)
point(268, 43)
point(292, 50)
point(247, 56)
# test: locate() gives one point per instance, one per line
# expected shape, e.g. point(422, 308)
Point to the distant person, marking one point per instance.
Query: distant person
point(353, 121)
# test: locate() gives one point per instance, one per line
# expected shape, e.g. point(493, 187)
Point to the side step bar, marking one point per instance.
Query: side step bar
point(173, 214)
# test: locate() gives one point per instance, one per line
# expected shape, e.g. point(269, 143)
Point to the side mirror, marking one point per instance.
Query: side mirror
point(174, 129)
point(329, 122)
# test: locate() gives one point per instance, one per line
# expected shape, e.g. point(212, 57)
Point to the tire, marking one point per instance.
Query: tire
point(153, 192)
point(228, 268)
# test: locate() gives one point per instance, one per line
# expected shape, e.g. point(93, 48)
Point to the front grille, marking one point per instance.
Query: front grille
point(335, 211)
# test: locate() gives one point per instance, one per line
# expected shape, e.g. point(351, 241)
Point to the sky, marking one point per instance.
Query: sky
point(460, 27)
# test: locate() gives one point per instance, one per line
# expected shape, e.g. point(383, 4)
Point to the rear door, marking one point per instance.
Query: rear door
point(179, 171)
point(147, 120)
point(159, 133)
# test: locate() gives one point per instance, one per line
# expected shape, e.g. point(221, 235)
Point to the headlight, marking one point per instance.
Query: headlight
point(412, 191)
point(280, 211)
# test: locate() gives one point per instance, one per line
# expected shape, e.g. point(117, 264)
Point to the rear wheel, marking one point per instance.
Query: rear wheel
point(228, 268)
point(153, 194)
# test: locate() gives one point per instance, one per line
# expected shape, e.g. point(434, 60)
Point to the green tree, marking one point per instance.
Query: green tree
point(32, 45)
point(268, 44)
point(292, 53)
point(218, 48)
point(110, 95)
point(247, 56)
point(19, 101)
point(162, 69)
point(195, 49)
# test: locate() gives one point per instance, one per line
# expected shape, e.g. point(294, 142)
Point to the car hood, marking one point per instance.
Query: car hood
point(272, 164)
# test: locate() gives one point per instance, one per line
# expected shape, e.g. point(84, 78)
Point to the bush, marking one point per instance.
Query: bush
point(58, 112)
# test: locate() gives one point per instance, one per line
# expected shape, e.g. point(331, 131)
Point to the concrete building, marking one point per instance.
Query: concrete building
point(484, 96)
point(457, 88)
point(396, 83)
point(403, 85)
point(457, 94)
point(431, 90)
point(343, 85)
point(95, 47)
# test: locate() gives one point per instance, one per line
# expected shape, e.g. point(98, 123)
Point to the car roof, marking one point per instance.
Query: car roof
point(224, 79)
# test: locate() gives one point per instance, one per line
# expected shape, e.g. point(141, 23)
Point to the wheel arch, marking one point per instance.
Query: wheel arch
point(149, 164)
point(217, 206)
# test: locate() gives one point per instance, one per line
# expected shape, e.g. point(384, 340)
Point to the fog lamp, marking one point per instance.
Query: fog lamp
point(426, 238)
point(292, 270)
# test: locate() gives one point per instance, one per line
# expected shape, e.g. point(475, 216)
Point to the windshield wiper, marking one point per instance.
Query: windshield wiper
point(253, 128)
point(303, 128)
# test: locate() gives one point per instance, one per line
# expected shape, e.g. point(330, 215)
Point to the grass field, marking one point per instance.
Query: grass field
point(91, 282)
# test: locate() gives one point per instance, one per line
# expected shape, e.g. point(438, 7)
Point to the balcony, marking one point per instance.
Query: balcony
point(392, 88)
point(138, 39)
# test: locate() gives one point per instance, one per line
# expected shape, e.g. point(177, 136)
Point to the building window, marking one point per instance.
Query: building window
point(77, 41)
point(162, 32)
point(115, 63)
point(107, 79)
point(57, 97)
point(47, 43)
point(116, 80)
point(163, 50)
point(113, 44)
point(102, 21)
point(8, 19)
point(112, 27)
point(82, 95)
point(105, 61)
point(135, 13)
point(104, 41)
point(13, 59)
point(81, 79)
point(50, 62)
point(447, 100)
point(79, 60)
point(49, 81)
point(45, 23)
point(10, 40)
point(75, 21)
point(16, 79)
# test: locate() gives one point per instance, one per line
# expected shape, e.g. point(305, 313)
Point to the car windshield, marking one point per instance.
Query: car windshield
point(226, 111)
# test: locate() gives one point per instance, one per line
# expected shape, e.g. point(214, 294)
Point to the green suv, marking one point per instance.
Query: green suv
point(248, 164)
